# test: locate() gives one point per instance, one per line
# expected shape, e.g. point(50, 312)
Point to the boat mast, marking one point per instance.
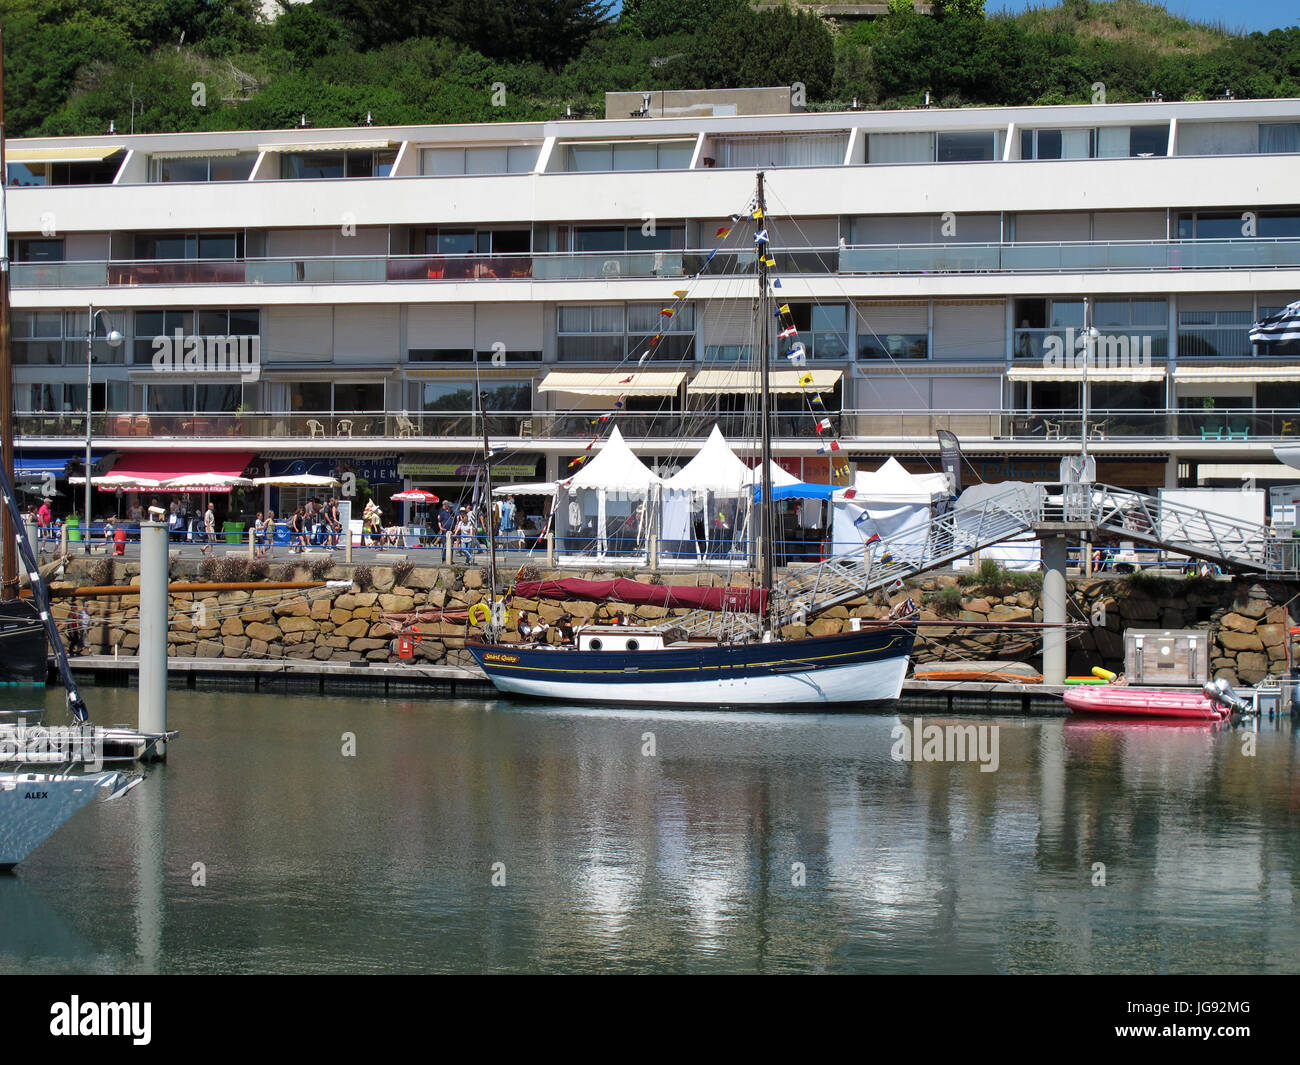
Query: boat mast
point(487, 506)
point(766, 512)
point(9, 582)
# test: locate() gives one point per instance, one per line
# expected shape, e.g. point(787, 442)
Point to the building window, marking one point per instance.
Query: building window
point(823, 331)
point(216, 168)
point(629, 156)
point(608, 333)
point(208, 322)
point(1225, 334)
point(38, 251)
point(1290, 347)
point(226, 246)
point(1278, 137)
point(93, 173)
point(826, 149)
point(462, 396)
point(341, 397)
point(1058, 143)
point(487, 159)
point(341, 164)
point(969, 147)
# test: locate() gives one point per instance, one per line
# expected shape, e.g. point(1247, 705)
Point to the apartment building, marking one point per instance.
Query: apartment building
point(944, 267)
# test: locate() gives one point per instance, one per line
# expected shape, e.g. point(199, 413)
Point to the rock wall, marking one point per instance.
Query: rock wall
point(1248, 621)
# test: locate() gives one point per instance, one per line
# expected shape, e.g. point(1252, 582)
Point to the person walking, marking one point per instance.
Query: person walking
point(209, 528)
point(446, 523)
point(43, 519)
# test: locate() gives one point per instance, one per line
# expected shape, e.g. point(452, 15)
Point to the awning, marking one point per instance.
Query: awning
point(1235, 374)
point(36, 469)
point(796, 491)
point(61, 155)
point(335, 146)
point(614, 383)
point(199, 471)
point(715, 382)
point(1098, 374)
point(196, 153)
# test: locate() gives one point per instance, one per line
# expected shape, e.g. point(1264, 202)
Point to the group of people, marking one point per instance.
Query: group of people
point(538, 631)
point(463, 525)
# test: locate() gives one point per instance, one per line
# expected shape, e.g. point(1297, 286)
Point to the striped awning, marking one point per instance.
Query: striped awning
point(335, 146)
point(197, 153)
point(1096, 374)
point(62, 155)
point(787, 382)
point(613, 383)
point(1221, 374)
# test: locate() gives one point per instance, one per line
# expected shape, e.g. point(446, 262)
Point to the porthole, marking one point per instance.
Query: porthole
point(633, 645)
point(595, 644)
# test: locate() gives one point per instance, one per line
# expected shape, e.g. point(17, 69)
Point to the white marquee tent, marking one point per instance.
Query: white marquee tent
point(608, 501)
point(888, 502)
point(711, 484)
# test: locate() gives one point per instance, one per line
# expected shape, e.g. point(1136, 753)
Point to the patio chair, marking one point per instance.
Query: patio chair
point(1053, 429)
point(345, 427)
point(1238, 432)
point(315, 428)
point(526, 427)
point(1211, 433)
point(1097, 430)
point(405, 427)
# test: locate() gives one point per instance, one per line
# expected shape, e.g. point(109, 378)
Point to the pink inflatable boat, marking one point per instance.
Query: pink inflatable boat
point(1145, 702)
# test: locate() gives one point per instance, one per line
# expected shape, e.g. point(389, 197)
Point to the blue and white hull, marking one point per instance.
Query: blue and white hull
point(855, 668)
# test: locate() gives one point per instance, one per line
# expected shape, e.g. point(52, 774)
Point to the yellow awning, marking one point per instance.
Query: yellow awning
point(715, 382)
point(614, 383)
point(337, 146)
point(198, 153)
point(1223, 375)
point(1095, 374)
point(61, 155)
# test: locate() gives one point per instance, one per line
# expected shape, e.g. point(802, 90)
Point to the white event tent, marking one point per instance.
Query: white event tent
point(608, 501)
point(888, 502)
point(712, 482)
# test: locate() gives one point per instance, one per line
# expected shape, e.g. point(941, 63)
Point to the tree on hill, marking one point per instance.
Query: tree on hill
point(546, 31)
point(747, 48)
point(663, 18)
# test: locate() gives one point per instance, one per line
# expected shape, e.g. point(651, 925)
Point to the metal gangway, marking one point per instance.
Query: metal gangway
point(1226, 541)
point(803, 591)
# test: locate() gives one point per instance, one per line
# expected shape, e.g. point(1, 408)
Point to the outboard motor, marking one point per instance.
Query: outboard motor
point(1220, 691)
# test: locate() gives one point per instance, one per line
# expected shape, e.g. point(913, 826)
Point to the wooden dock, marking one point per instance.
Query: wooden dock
point(409, 678)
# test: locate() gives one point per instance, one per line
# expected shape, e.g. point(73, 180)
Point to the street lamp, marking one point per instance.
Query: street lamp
point(114, 339)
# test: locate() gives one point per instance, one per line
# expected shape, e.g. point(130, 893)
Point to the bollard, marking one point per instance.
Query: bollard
point(550, 549)
point(153, 632)
point(654, 553)
point(447, 549)
point(252, 544)
point(347, 547)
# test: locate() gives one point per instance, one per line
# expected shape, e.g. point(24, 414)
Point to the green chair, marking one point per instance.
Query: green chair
point(1211, 432)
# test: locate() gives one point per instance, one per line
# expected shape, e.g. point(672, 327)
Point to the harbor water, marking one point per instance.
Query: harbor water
point(365, 835)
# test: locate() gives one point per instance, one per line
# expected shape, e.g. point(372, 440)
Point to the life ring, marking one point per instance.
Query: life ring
point(480, 614)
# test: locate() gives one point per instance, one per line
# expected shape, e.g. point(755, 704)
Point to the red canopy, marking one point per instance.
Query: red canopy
point(622, 590)
point(151, 466)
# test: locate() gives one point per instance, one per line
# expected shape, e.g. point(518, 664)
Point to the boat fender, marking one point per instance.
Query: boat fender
point(480, 614)
point(499, 614)
point(1104, 674)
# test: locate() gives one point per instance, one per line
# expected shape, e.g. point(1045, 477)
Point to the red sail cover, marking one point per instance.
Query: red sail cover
point(622, 590)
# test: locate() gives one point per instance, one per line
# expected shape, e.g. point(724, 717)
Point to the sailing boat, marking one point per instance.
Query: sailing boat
point(737, 665)
point(33, 806)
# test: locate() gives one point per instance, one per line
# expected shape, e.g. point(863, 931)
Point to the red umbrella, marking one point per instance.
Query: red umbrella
point(415, 495)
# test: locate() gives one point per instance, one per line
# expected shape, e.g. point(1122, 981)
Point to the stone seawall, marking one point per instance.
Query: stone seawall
point(1247, 621)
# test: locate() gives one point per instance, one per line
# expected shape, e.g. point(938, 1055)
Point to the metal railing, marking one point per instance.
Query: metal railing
point(1043, 426)
point(1218, 538)
point(1063, 257)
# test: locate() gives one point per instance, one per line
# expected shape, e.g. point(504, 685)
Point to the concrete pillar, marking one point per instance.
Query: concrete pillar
point(252, 544)
point(153, 631)
point(1054, 600)
point(550, 548)
point(654, 552)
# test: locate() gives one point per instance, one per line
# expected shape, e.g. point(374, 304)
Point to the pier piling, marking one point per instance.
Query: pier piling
point(153, 632)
